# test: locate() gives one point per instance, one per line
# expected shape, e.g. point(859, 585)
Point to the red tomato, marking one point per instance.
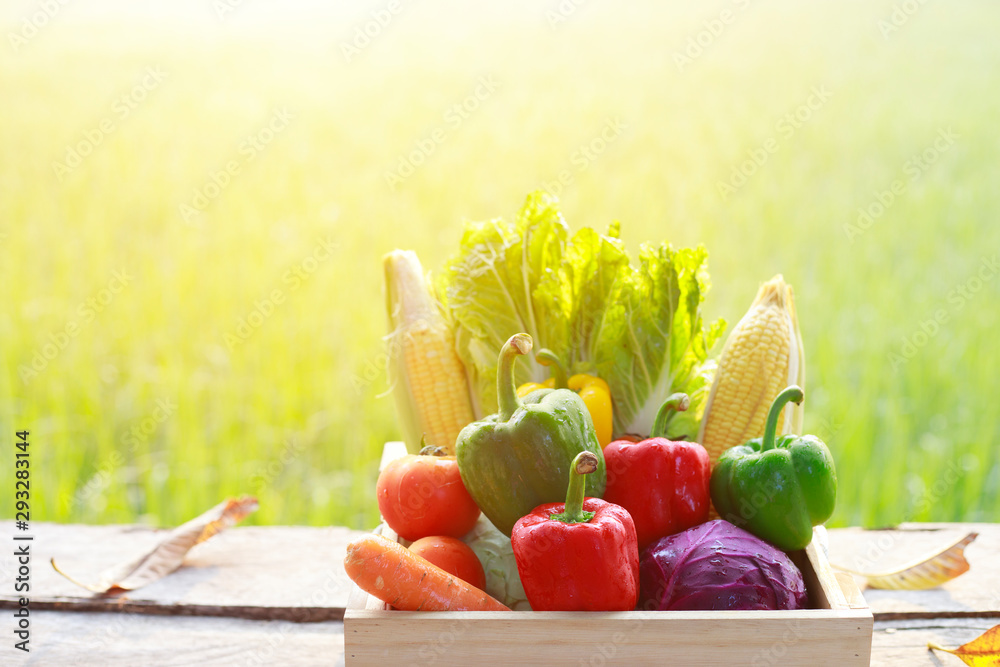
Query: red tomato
point(453, 556)
point(420, 496)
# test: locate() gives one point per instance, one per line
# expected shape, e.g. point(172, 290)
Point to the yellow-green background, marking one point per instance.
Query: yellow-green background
point(279, 415)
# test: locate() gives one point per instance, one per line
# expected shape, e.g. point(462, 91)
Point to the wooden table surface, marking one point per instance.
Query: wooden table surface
point(276, 595)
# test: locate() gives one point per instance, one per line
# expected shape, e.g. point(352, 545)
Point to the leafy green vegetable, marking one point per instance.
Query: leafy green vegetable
point(639, 328)
point(495, 552)
point(653, 341)
point(593, 264)
point(506, 280)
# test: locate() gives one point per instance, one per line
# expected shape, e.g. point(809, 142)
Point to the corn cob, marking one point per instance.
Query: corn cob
point(762, 356)
point(425, 373)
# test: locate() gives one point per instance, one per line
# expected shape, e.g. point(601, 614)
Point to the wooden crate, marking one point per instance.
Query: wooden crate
point(836, 630)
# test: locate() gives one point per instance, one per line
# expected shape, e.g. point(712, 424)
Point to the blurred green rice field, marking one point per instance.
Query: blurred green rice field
point(193, 209)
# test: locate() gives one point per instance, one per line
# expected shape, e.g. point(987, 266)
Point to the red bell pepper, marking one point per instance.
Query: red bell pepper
point(663, 484)
point(580, 555)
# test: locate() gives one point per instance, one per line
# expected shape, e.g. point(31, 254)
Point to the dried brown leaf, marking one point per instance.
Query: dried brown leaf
point(169, 554)
point(927, 572)
point(984, 651)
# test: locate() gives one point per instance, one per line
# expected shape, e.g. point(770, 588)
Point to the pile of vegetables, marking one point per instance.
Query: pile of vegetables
point(557, 392)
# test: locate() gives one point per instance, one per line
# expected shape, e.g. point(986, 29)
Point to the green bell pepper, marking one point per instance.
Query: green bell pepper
point(513, 461)
point(777, 488)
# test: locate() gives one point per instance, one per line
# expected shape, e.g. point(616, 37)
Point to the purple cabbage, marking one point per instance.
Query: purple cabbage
point(717, 566)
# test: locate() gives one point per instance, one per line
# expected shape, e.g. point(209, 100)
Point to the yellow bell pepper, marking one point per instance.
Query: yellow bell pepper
point(529, 387)
point(593, 390)
point(597, 396)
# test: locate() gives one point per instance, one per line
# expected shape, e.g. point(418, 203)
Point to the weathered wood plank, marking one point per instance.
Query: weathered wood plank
point(900, 643)
point(280, 572)
point(296, 574)
point(975, 593)
point(60, 639)
point(67, 638)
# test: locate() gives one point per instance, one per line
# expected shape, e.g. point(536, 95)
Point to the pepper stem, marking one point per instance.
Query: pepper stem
point(506, 391)
point(430, 450)
point(547, 357)
point(583, 464)
point(794, 394)
point(679, 402)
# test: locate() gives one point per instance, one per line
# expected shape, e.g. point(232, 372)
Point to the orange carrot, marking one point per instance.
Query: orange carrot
point(396, 575)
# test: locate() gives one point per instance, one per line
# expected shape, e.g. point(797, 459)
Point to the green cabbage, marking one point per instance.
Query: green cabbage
point(506, 281)
point(653, 342)
point(496, 554)
point(638, 327)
